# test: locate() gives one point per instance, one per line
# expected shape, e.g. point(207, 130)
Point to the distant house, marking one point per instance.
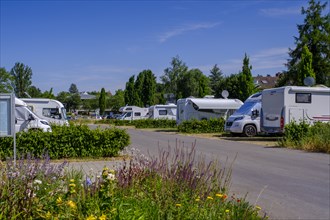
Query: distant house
point(85, 96)
point(266, 82)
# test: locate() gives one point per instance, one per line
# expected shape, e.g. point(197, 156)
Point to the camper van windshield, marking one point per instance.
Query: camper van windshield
point(247, 107)
point(63, 113)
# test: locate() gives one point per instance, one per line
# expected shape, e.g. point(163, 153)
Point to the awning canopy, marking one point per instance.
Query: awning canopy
point(217, 103)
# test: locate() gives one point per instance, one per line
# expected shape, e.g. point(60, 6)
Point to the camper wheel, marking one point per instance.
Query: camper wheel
point(250, 130)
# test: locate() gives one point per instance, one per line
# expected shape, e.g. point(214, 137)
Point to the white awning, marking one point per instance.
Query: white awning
point(217, 103)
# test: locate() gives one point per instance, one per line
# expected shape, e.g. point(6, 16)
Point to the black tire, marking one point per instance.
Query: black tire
point(250, 131)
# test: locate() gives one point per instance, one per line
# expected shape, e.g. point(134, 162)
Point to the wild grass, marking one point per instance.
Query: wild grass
point(177, 184)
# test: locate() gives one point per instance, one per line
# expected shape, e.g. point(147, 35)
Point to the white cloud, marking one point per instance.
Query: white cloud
point(182, 30)
point(275, 12)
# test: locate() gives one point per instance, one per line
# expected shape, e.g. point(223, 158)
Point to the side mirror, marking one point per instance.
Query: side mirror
point(255, 113)
point(30, 118)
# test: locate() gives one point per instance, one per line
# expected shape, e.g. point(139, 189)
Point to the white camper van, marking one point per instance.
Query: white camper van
point(48, 109)
point(163, 112)
point(26, 120)
point(133, 113)
point(282, 105)
point(205, 108)
point(246, 119)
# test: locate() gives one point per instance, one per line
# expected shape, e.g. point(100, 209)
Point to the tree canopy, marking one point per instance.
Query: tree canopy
point(21, 75)
point(314, 33)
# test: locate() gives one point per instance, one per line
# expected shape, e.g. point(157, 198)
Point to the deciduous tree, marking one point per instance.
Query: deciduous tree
point(22, 75)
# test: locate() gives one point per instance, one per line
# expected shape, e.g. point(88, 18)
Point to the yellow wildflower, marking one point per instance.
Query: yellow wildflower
point(72, 185)
point(209, 197)
point(197, 200)
point(227, 210)
point(91, 217)
point(72, 180)
point(59, 200)
point(103, 217)
point(48, 215)
point(72, 204)
point(178, 205)
point(258, 208)
point(219, 195)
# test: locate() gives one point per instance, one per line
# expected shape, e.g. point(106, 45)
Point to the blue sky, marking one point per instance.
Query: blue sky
point(96, 44)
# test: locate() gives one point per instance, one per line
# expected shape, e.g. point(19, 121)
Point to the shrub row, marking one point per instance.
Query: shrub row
point(314, 138)
point(143, 123)
point(67, 142)
point(203, 126)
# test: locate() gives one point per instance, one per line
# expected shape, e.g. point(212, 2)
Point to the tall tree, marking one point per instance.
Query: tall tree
point(215, 78)
point(305, 66)
point(193, 83)
point(102, 101)
point(149, 88)
point(73, 89)
point(246, 83)
point(6, 81)
point(34, 92)
point(172, 75)
point(74, 100)
point(315, 34)
point(22, 79)
point(129, 91)
point(118, 100)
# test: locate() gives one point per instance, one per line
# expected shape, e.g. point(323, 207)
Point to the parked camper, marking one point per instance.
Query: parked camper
point(48, 109)
point(133, 113)
point(163, 112)
point(282, 105)
point(205, 108)
point(246, 119)
point(26, 120)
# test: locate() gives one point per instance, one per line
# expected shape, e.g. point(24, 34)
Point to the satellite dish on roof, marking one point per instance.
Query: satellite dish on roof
point(225, 94)
point(309, 81)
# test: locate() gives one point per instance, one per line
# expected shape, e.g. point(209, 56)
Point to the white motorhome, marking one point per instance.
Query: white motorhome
point(246, 119)
point(205, 108)
point(133, 113)
point(48, 109)
point(283, 105)
point(163, 112)
point(26, 120)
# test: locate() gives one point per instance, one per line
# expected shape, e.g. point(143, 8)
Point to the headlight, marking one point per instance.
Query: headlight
point(239, 118)
point(44, 122)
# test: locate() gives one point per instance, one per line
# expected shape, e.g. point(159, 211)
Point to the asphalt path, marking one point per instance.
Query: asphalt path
point(286, 184)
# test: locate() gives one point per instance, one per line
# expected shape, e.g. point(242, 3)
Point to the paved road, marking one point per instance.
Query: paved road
point(287, 184)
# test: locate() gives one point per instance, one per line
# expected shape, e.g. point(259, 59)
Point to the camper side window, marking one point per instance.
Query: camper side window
point(303, 98)
point(162, 112)
point(51, 113)
point(137, 113)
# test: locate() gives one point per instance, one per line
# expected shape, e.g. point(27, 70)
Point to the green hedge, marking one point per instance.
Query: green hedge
point(142, 123)
point(303, 136)
point(67, 142)
point(203, 126)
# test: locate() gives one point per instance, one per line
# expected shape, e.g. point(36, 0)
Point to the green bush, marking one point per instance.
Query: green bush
point(303, 136)
point(141, 123)
point(67, 142)
point(203, 126)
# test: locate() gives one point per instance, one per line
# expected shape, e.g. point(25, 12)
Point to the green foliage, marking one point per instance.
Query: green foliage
point(6, 81)
point(21, 75)
point(67, 142)
point(177, 185)
point(141, 123)
point(315, 34)
point(102, 101)
point(116, 101)
point(202, 126)
point(172, 75)
point(215, 77)
point(303, 136)
point(193, 83)
point(305, 66)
